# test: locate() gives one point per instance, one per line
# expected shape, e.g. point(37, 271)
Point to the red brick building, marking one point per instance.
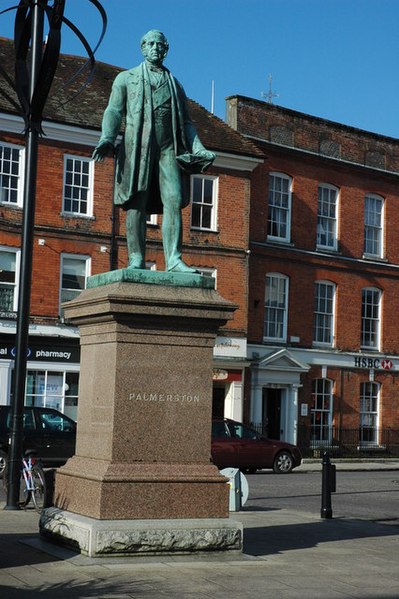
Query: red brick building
point(78, 233)
point(324, 279)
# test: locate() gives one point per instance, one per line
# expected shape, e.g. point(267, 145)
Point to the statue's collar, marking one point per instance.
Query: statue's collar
point(154, 68)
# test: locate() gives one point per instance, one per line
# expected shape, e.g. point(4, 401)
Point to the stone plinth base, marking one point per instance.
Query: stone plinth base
point(104, 491)
point(102, 538)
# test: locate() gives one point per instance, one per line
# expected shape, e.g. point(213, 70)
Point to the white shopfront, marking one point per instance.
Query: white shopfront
point(230, 360)
point(52, 376)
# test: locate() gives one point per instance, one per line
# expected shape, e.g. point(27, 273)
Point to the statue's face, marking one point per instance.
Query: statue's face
point(154, 48)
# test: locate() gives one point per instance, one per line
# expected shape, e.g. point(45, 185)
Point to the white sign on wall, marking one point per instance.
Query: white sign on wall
point(230, 347)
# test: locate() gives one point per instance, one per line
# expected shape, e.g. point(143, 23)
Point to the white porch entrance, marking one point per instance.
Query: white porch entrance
point(274, 394)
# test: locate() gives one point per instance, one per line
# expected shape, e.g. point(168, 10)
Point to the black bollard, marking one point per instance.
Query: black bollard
point(327, 486)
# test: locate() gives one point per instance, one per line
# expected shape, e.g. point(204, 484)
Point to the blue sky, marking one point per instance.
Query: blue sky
point(336, 59)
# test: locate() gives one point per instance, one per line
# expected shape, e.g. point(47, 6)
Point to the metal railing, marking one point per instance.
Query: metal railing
point(339, 442)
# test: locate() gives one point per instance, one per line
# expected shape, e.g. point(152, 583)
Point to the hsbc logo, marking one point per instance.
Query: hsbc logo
point(374, 363)
point(387, 364)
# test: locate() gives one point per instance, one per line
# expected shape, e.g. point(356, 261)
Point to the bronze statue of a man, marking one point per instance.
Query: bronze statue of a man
point(160, 146)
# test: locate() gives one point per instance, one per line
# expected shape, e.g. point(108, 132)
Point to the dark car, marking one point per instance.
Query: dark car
point(235, 445)
point(47, 432)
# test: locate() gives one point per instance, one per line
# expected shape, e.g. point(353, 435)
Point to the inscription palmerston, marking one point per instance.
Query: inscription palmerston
point(165, 397)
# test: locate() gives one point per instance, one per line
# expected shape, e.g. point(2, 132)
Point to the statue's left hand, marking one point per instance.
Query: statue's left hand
point(103, 149)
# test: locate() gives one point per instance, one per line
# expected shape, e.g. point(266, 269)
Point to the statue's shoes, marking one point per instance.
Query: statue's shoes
point(180, 266)
point(136, 265)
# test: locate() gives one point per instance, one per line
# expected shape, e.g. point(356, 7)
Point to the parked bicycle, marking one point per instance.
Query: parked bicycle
point(32, 483)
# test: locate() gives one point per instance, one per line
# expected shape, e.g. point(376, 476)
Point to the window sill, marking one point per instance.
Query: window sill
point(320, 345)
point(72, 215)
point(373, 258)
point(273, 241)
point(328, 250)
point(11, 205)
point(373, 350)
point(203, 229)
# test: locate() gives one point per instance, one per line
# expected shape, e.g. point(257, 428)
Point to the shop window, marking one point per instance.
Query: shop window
point(11, 174)
point(204, 192)
point(373, 226)
point(279, 207)
point(56, 389)
point(369, 402)
point(276, 307)
point(71, 395)
point(323, 330)
point(9, 263)
point(370, 330)
point(321, 412)
point(78, 186)
point(74, 273)
point(327, 217)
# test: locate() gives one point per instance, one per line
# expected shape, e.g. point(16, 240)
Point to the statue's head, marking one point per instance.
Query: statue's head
point(154, 47)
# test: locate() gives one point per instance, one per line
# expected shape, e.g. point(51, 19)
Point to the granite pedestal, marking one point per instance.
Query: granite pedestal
point(142, 479)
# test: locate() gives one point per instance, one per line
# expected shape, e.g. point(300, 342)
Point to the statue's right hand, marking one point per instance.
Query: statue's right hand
point(103, 149)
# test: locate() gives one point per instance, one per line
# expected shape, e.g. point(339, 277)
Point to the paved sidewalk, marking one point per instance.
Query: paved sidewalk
point(287, 555)
point(351, 465)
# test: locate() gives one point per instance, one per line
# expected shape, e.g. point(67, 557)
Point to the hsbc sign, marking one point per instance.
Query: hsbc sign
point(375, 363)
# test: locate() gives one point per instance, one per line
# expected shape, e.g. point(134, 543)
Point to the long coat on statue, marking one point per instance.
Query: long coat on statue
point(131, 99)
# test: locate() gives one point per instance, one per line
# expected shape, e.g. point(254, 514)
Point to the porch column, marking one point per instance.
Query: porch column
point(293, 420)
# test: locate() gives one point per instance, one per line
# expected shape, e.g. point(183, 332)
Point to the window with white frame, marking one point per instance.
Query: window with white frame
point(327, 217)
point(9, 268)
point(369, 404)
point(204, 192)
point(279, 207)
point(74, 272)
point(323, 329)
point(276, 307)
point(11, 174)
point(373, 225)
point(371, 309)
point(321, 412)
point(78, 186)
point(53, 389)
point(152, 219)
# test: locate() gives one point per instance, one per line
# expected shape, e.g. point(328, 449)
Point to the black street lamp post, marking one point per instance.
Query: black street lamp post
point(32, 136)
point(32, 86)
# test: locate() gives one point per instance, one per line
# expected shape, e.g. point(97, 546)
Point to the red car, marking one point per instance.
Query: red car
point(235, 445)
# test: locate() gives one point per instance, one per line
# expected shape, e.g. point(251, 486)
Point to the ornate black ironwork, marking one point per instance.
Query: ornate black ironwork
point(32, 107)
